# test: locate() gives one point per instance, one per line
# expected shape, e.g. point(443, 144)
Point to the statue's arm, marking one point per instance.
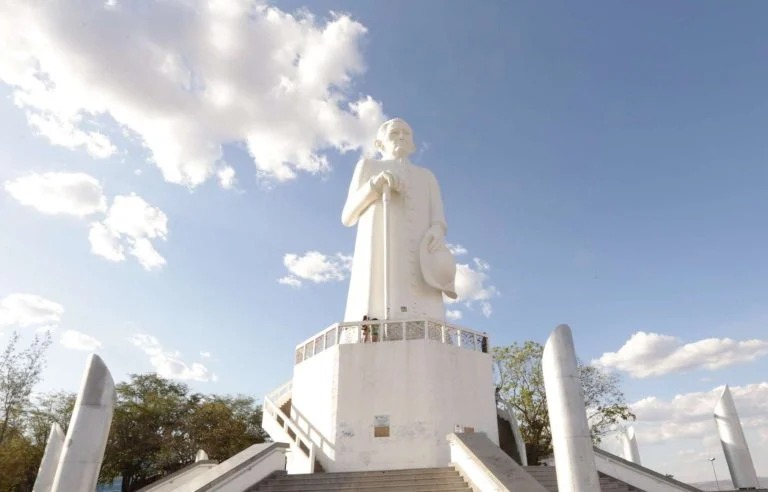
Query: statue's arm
point(437, 214)
point(361, 194)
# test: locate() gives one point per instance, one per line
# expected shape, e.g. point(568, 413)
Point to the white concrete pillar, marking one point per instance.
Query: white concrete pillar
point(734, 444)
point(631, 452)
point(50, 460)
point(86, 439)
point(571, 439)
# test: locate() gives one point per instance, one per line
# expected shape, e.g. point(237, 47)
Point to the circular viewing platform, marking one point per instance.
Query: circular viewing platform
point(380, 331)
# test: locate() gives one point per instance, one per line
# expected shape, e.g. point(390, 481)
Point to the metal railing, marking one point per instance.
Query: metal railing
point(377, 331)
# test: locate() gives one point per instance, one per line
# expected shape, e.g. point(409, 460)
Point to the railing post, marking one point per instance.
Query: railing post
point(405, 329)
point(311, 457)
point(458, 335)
point(442, 332)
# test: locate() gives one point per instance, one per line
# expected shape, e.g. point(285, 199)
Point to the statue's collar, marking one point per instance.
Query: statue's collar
point(398, 162)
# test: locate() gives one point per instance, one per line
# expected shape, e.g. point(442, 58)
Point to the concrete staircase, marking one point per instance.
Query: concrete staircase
point(417, 480)
point(547, 476)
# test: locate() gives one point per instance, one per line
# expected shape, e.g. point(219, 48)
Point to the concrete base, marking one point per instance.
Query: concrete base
point(389, 405)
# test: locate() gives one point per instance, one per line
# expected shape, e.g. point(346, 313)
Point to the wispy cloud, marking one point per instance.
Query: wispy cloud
point(169, 364)
point(22, 310)
point(315, 267)
point(651, 354)
point(79, 341)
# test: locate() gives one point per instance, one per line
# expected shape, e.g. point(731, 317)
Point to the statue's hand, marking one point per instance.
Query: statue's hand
point(387, 178)
point(435, 237)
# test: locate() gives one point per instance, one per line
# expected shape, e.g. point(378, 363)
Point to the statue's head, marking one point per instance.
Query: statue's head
point(395, 139)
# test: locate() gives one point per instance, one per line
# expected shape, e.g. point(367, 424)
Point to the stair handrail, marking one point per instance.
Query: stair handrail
point(271, 408)
point(278, 395)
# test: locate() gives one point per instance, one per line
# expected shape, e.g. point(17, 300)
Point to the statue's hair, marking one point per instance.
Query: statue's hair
point(384, 128)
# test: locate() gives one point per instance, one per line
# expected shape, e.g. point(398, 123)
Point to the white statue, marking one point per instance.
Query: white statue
point(401, 266)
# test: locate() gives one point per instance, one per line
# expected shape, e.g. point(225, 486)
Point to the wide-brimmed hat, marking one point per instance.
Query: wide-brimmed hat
point(438, 268)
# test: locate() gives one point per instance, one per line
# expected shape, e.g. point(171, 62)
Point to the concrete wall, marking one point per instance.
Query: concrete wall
point(313, 404)
point(424, 388)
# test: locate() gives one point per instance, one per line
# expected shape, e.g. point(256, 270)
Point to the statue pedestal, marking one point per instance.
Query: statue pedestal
point(389, 404)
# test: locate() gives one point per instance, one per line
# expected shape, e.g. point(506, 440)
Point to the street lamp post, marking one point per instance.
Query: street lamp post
point(712, 460)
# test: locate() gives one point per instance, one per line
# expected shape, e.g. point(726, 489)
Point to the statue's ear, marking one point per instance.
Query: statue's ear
point(378, 145)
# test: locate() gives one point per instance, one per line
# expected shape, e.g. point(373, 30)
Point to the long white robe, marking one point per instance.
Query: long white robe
point(412, 211)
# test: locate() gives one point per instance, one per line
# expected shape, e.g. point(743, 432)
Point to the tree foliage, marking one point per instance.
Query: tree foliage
point(21, 448)
point(521, 385)
point(158, 426)
point(19, 372)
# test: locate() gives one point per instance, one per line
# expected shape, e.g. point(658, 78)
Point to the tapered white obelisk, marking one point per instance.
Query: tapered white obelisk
point(86, 439)
point(734, 444)
point(631, 452)
point(571, 439)
point(50, 460)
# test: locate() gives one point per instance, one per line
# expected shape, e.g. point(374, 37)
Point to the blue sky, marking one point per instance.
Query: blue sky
point(605, 163)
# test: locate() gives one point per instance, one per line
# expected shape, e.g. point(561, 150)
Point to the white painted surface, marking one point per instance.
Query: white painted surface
point(734, 444)
point(314, 396)
point(83, 452)
point(639, 477)
point(571, 438)
point(472, 471)
point(631, 451)
point(415, 215)
point(50, 461)
point(483, 464)
point(240, 471)
point(201, 455)
point(170, 484)
point(277, 425)
point(424, 387)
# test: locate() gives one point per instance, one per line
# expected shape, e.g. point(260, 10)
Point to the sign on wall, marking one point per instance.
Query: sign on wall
point(381, 426)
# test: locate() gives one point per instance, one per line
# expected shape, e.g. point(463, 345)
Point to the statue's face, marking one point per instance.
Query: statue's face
point(397, 142)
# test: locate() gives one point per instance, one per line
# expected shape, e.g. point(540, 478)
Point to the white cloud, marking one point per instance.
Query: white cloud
point(473, 286)
point(652, 354)
point(689, 415)
point(105, 242)
point(79, 341)
point(290, 280)
point(205, 355)
point(457, 249)
point(453, 314)
point(226, 177)
point(169, 364)
point(28, 310)
point(128, 227)
point(59, 193)
point(315, 267)
point(188, 76)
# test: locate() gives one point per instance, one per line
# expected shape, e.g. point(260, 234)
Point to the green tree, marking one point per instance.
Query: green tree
point(224, 425)
point(148, 434)
point(20, 450)
point(19, 373)
point(158, 426)
point(521, 385)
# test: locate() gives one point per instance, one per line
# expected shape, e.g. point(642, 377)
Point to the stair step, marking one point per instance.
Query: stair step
point(318, 478)
point(378, 473)
point(371, 480)
point(411, 480)
point(432, 487)
point(547, 476)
